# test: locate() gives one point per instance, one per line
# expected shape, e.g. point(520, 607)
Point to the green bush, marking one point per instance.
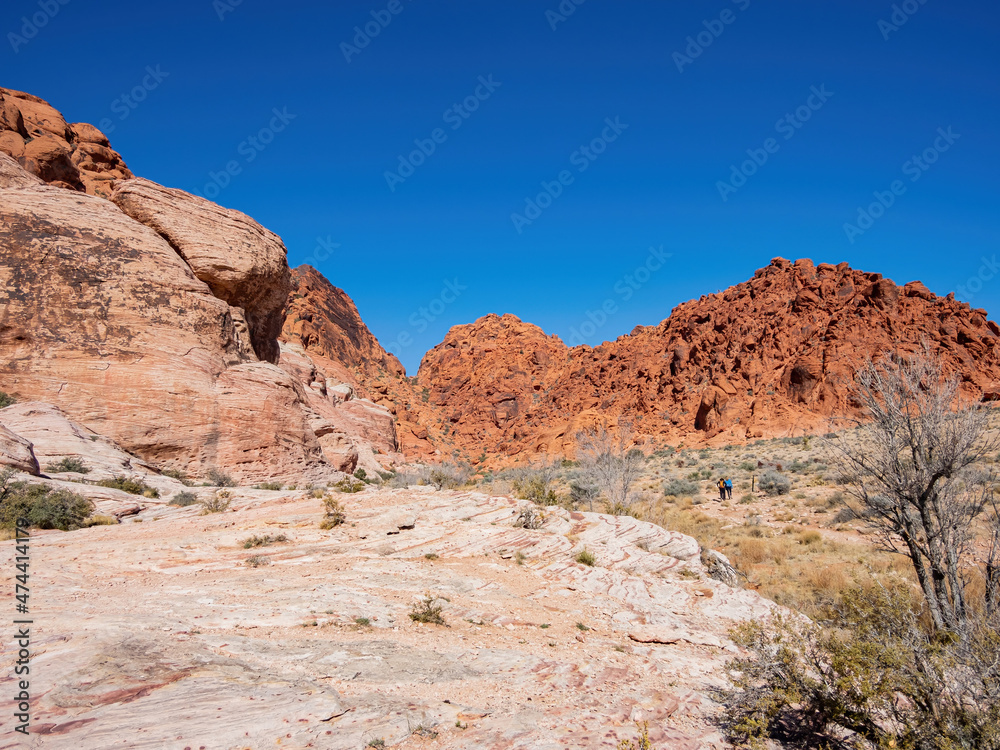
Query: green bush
point(334, 515)
point(218, 503)
point(427, 610)
point(68, 465)
point(348, 485)
point(183, 499)
point(679, 488)
point(44, 507)
point(361, 474)
point(174, 474)
point(877, 674)
point(773, 483)
point(131, 486)
point(585, 557)
point(6, 400)
point(265, 540)
point(273, 486)
point(219, 478)
point(535, 487)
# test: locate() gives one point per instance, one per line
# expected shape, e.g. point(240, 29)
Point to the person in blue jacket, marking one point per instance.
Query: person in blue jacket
point(729, 488)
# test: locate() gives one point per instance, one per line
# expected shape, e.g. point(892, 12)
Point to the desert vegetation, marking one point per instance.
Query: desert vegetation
point(44, 507)
point(898, 661)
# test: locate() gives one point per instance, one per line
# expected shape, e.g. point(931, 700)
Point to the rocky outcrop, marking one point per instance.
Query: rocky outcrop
point(103, 317)
point(74, 156)
point(324, 321)
point(241, 261)
point(359, 389)
point(16, 452)
point(773, 356)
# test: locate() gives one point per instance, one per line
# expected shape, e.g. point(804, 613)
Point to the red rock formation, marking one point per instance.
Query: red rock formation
point(75, 156)
point(104, 318)
point(324, 321)
point(772, 356)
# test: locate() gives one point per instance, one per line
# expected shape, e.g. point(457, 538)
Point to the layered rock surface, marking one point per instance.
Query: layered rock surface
point(104, 318)
point(773, 356)
point(164, 619)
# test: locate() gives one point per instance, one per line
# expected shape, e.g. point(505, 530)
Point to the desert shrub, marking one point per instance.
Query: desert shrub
point(71, 465)
point(845, 515)
point(529, 518)
point(586, 557)
point(174, 474)
point(217, 503)
point(878, 676)
point(679, 488)
point(44, 507)
point(272, 486)
point(449, 476)
point(427, 610)
point(264, 540)
point(611, 462)
point(583, 493)
point(348, 485)
point(747, 466)
point(810, 537)
point(131, 486)
point(256, 561)
point(218, 478)
point(183, 499)
point(416, 475)
point(334, 514)
point(361, 474)
point(642, 742)
point(535, 485)
point(6, 400)
point(773, 483)
point(100, 521)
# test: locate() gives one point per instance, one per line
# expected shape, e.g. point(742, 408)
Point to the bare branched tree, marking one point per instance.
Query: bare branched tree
point(612, 462)
point(915, 469)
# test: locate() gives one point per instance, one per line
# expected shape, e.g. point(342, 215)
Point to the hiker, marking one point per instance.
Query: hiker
point(729, 488)
point(722, 488)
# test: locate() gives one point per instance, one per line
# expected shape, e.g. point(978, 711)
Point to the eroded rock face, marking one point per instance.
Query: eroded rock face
point(16, 452)
point(323, 320)
point(77, 157)
point(242, 262)
point(102, 317)
point(773, 356)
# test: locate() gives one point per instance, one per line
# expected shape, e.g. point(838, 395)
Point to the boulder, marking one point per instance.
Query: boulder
point(241, 262)
point(104, 319)
point(16, 452)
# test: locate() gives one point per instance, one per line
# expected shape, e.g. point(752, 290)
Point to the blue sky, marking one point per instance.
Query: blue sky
point(438, 239)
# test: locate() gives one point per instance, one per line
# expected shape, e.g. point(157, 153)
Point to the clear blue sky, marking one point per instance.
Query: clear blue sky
point(323, 176)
